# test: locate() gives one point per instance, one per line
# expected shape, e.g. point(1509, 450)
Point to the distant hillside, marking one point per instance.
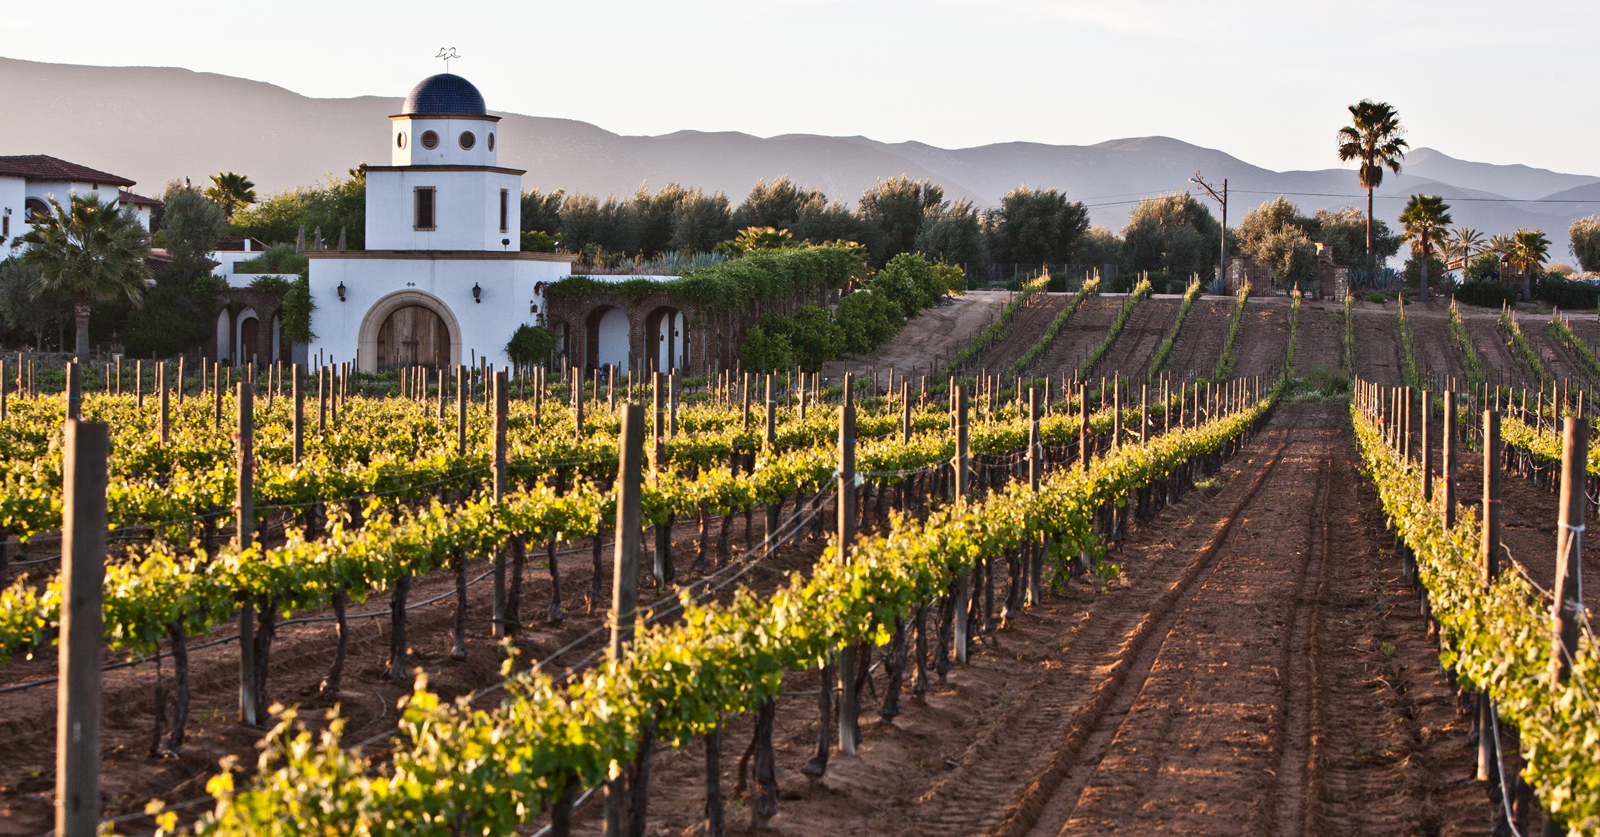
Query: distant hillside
point(152, 124)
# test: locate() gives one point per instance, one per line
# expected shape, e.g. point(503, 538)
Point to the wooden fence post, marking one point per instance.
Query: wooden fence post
point(74, 391)
point(625, 576)
point(1035, 474)
point(245, 523)
point(1568, 607)
point(963, 581)
point(82, 632)
point(1448, 437)
point(846, 505)
point(463, 396)
point(166, 402)
point(1489, 562)
point(500, 409)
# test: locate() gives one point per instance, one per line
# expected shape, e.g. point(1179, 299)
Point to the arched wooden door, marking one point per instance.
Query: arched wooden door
point(413, 336)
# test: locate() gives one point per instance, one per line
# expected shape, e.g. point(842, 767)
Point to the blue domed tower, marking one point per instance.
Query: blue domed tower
point(442, 280)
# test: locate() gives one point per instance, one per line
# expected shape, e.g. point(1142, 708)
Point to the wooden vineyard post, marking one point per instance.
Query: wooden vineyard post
point(770, 442)
point(1448, 438)
point(138, 385)
point(658, 422)
point(441, 377)
point(2, 390)
point(297, 393)
point(166, 402)
point(905, 411)
point(245, 524)
point(577, 404)
point(82, 634)
point(746, 396)
point(463, 396)
point(499, 488)
point(849, 732)
point(625, 578)
point(1567, 611)
point(1144, 411)
point(216, 394)
point(1489, 563)
point(1083, 428)
point(963, 581)
point(1035, 553)
point(74, 391)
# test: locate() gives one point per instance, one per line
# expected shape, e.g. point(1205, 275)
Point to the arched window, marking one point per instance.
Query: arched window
point(35, 210)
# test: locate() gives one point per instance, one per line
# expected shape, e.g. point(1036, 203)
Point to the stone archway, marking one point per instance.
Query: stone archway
point(665, 339)
point(434, 314)
point(607, 329)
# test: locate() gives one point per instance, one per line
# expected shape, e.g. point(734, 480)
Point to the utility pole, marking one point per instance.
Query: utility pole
point(1222, 200)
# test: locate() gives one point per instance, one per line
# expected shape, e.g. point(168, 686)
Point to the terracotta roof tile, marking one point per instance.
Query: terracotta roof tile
point(47, 168)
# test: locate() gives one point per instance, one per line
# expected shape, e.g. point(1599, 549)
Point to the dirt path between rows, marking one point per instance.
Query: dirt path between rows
point(1319, 342)
point(1437, 352)
point(1027, 327)
point(1378, 344)
point(1080, 335)
point(1498, 363)
point(1199, 344)
point(1147, 326)
point(1257, 668)
point(1263, 339)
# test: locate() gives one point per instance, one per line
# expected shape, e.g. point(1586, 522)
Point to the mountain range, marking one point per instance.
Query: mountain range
point(151, 124)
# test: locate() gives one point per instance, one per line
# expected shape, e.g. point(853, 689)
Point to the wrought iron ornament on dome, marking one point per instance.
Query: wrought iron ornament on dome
point(445, 93)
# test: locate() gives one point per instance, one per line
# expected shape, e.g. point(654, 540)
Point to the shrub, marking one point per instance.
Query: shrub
point(867, 320)
point(1565, 294)
point(1486, 294)
point(530, 345)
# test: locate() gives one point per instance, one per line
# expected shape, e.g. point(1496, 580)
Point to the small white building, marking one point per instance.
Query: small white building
point(28, 183)
point(443, 281)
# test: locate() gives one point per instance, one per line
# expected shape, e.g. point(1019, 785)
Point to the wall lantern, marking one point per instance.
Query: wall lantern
point(477, 293)
point(340, 289)
point(533, 307)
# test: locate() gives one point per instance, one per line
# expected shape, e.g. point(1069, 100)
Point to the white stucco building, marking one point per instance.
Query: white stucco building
point(28, 183)
point(442, 281)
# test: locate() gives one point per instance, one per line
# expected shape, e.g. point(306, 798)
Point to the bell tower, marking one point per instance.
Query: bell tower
point(444, 189)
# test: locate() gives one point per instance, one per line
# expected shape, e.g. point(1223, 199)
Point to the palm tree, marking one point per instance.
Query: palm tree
point(1373, 137)
point(233, 191)
point(1529, 249)
point(93, 253)
point(1425, 218)
point(1465, 243)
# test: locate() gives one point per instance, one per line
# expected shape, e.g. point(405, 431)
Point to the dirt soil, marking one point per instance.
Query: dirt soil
point(1437, 353)
point(1027, 327)
point(1263, 339)
point(1256, 668)
point(1152, 318)
point(932, 337)
point(1498, 362)
point(1320, 339)
point(1378, 344)
point(1199, 342)
point(1558, 360)
point(1080, 335)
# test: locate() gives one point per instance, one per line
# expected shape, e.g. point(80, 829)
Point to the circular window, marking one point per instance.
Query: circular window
point(400, 140)
point(468, 140)
point(430, 139)
point(491, 140)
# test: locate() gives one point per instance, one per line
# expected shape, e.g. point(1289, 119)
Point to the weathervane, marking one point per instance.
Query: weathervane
point(447, 53)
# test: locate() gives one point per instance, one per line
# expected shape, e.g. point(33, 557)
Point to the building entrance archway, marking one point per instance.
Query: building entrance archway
point(429, 335)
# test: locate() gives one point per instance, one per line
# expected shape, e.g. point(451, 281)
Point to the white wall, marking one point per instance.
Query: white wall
point(466, 210)
point(13, 192)
point(224, 338)
point(507, 283)
point(613, 339)
point(449, 151)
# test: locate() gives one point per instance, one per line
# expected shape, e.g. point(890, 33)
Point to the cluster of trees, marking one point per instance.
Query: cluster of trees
point(895, 216)
point(1284, 241)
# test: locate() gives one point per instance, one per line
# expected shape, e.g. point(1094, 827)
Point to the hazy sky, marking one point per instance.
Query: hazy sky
point(1267, 81)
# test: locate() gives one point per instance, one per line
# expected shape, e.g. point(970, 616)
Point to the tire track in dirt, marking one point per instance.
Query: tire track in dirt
point(1130, 356)
point(1263, 340)
point(1199, 342)
point(1018, 761)
point(1113, 779)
